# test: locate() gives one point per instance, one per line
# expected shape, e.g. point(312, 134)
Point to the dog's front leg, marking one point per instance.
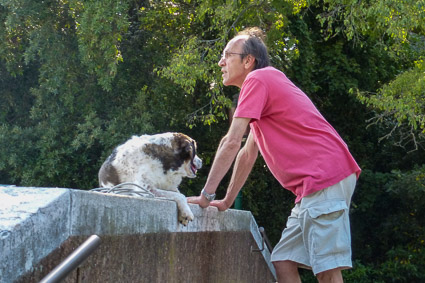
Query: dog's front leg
point(184, 211)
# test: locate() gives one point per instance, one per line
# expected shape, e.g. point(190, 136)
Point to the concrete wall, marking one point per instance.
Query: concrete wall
point(142, 240)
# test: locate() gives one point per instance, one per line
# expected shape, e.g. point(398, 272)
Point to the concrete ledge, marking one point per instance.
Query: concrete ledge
point(108, 214)
point(34, 222)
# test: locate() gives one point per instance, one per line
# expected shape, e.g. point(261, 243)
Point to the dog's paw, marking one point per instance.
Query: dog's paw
point(185, 217)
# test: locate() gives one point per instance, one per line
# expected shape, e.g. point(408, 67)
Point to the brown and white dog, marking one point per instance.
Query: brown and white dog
point(157, 163)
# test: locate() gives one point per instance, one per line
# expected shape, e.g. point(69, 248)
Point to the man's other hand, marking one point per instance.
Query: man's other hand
point(220, 204)
point(199, 200)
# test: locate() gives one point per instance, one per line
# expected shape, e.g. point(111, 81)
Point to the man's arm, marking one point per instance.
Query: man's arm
point(243, 166)
point(226, 153)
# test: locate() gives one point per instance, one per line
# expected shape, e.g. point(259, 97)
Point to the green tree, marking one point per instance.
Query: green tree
point(67, 55)
point(398, 26)
point(77, 78)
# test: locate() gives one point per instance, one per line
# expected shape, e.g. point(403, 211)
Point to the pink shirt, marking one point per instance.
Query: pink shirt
point(301, 149)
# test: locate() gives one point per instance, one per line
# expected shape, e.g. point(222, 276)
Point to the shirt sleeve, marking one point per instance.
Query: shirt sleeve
point(252, 99)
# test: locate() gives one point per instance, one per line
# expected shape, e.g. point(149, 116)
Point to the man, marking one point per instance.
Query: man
point(301, 149)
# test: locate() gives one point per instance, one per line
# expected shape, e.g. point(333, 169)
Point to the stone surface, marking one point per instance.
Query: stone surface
point(33, 222)
point(142, 240)
point(165, 257)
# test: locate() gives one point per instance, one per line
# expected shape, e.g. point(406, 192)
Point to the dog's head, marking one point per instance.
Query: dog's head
point(175, 150)
point(186, 148)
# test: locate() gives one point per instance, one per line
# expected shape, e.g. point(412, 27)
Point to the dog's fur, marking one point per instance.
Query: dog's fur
point(157, 163)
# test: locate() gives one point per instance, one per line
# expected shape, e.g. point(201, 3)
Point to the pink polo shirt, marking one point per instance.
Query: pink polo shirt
point(301, 149)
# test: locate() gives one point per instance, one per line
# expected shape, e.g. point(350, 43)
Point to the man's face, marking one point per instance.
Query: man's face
point(232, 66)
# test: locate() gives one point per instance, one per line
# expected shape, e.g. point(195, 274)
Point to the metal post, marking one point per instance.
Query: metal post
point(264, 242)
point(238, 201)
point(73, 260)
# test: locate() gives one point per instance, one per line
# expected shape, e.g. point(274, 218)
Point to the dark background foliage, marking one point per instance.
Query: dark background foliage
point(78, 78)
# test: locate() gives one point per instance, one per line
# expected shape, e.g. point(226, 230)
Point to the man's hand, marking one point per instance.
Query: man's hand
point(204, 203)
point(200, 200)
point(220, 204)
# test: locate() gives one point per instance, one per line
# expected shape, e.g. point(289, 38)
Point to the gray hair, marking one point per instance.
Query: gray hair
point(254, 45)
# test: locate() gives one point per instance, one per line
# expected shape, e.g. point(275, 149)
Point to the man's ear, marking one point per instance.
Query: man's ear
point(249, 62)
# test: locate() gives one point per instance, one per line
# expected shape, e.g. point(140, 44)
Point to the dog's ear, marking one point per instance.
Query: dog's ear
point(181, 143)
point(184, 148)
point(187, 149)
point(187, 146)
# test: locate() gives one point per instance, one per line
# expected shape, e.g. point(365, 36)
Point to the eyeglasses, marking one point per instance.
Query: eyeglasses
point(227, 54)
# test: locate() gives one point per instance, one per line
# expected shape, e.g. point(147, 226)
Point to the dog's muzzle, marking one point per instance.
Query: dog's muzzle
point(195, 165)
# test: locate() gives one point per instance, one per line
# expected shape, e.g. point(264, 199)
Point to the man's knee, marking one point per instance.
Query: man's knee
point(287, 271)
point(331, 276)
point(286, 265)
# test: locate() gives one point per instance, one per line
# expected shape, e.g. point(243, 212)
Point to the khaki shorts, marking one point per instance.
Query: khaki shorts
point(317, 234)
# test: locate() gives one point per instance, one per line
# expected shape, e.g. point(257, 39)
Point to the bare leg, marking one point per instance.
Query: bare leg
point(287, 271)
point(331, 276)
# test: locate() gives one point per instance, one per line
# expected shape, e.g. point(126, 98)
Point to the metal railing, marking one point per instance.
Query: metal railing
point(264, 242)
point(73, 260)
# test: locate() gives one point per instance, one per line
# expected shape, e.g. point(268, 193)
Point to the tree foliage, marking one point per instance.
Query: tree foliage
point(77, 78)
point(398, 26)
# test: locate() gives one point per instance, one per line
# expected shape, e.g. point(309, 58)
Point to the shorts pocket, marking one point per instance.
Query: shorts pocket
point(328, 228)
point(327, 207)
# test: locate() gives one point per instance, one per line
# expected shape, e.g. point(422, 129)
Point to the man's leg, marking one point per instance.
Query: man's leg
point(330, 276)
point(287, 271)
point(326, 229)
